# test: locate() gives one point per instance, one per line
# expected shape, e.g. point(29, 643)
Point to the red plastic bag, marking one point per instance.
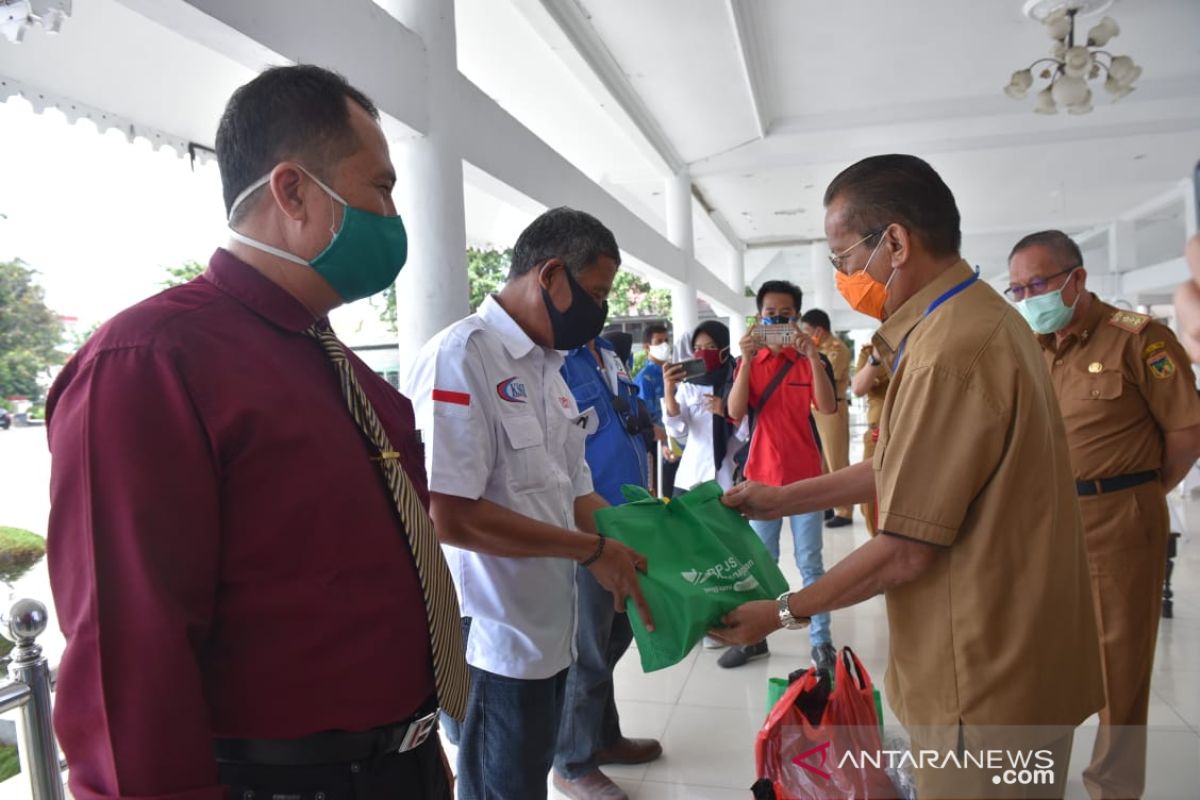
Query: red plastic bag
point(804, 761)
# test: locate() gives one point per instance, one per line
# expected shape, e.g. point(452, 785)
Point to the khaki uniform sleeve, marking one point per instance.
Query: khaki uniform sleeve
point(1166, 380)
point(840, 358)
point(944, 441)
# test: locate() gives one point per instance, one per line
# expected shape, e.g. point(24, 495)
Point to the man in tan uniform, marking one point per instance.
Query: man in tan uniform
point(871, 379)
point(1128, 398)
point(980, 553)
point(834, 428)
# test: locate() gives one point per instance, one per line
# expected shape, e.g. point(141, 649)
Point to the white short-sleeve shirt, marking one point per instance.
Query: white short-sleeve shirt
point(500, 423)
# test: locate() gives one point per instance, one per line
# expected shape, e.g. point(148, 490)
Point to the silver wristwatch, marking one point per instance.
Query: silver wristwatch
point(786, 620)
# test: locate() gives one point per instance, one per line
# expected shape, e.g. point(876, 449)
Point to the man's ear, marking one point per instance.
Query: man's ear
point(548, 270)
point(284, 185)
point(897, 240)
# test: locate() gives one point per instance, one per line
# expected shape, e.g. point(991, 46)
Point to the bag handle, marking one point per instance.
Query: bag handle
point(850, 669)
point(634, 493)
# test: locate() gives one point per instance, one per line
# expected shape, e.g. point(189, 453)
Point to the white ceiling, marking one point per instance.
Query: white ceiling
point(628, 90)
point(835, 81)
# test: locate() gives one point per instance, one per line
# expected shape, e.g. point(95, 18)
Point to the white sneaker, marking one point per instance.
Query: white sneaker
point(712, 643)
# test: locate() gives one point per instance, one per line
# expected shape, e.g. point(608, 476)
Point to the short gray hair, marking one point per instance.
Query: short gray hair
point(1062, 247)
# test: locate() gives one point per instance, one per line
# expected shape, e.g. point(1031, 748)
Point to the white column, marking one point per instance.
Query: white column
point(432, 290)
point(737, 282)
point(1189, 209)
point(1122, 246)
point(684, 314)
point(822, 276)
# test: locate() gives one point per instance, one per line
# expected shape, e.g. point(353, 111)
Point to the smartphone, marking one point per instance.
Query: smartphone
point(692, 368)
point(775, 334)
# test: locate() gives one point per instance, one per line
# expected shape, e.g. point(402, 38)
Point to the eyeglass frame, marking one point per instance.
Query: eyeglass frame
point(836, 259)
point(1012, 291)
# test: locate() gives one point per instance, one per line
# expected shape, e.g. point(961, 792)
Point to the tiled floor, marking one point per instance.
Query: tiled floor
point(707, 717)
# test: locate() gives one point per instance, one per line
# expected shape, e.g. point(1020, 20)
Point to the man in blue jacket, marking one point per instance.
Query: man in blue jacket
point(590, 732)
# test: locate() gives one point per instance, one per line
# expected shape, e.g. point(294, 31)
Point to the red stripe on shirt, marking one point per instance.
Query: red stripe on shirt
point(457, 398)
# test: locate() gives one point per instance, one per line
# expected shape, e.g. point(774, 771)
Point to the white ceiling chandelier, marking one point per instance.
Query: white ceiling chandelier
point(1072, 65)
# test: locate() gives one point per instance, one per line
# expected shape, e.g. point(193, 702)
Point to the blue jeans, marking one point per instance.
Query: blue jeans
point(590, 722)
point(506, 741)
point(806, 537)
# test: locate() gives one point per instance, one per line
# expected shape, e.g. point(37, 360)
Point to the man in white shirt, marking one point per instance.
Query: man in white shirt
point(512, 496)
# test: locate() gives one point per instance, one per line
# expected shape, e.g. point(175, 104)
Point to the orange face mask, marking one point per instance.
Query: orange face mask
point(864, 294)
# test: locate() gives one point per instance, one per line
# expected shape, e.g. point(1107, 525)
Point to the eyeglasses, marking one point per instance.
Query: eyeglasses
point(837, 258)
point(1019, 292)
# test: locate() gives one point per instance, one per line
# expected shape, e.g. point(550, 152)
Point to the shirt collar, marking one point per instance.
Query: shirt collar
point(764, 354)
point(900, 324)
point(500, 322)
point(1096, 313)
point(252, 289)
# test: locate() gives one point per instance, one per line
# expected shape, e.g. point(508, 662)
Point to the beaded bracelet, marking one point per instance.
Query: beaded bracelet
point(596, 555)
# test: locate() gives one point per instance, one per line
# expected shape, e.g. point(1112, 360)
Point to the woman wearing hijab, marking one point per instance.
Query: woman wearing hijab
point(695, 411)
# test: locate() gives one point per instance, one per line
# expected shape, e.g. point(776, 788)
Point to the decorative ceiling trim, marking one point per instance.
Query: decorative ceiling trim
point(18, 16)
point(104, 121)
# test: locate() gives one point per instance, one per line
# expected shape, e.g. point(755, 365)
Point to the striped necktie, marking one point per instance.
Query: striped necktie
point(441, 604)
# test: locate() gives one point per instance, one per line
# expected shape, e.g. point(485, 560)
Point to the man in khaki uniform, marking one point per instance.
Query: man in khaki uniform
point(1128, 398)
point(871, 379)
point(980, 553)
point(834, 428)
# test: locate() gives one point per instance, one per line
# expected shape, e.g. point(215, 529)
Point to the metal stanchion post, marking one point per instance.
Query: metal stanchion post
point(25, 621)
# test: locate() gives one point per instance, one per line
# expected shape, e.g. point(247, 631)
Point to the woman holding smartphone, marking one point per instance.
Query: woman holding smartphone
point(694, 409)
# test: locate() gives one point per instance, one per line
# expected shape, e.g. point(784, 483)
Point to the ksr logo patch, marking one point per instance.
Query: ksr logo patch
point(511, 391)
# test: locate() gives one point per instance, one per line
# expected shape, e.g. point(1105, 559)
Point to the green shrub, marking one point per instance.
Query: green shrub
point(9, 764)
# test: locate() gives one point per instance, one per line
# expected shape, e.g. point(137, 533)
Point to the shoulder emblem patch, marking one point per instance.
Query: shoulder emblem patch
point(1153, 348)
point(1161, 366)
point(1129, 321)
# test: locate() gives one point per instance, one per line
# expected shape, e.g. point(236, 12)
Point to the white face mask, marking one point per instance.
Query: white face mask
point(661, 351)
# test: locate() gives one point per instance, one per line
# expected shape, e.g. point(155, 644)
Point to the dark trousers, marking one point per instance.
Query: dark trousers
point(416, 775)
point(590, 722)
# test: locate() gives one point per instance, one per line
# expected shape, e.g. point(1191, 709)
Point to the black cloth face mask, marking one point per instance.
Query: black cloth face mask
point(581, 322)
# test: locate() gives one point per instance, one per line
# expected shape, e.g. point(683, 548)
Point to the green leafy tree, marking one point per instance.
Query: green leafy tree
point(486, 272)
point(176, 276)
point(633, 296)
point(30, 333)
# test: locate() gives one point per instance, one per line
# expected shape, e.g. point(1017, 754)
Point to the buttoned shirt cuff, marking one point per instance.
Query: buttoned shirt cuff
point(918, 529)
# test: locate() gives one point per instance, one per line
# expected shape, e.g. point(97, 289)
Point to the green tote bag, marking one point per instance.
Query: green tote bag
point(704, 561)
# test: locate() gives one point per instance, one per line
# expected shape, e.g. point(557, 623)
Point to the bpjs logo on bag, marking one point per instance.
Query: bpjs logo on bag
point(724, 576)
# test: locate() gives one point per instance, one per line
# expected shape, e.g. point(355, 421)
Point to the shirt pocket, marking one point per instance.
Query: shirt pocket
point(525, 459)
point(1103, 386)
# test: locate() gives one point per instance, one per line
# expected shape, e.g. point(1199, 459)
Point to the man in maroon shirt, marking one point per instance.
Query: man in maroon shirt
point(239, 596)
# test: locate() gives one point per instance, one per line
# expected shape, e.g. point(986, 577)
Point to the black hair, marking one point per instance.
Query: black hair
point(1066, 251)
point(717, 331)
point(297, 112)
point(901, 189)
point(650, 330)
point(779, 287)
point(816, 318)
point(575, 237)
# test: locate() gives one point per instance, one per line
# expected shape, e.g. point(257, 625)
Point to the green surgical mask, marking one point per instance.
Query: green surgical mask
point(1047, 313)
point(364, 256)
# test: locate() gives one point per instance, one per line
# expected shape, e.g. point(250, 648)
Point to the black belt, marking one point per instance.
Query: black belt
point(1106, 485)
point(332, 747)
